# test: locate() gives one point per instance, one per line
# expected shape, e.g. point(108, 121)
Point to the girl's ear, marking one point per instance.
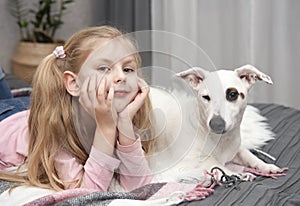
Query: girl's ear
point(71, 83)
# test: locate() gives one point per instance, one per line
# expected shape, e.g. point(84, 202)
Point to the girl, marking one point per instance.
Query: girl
point(93, 77)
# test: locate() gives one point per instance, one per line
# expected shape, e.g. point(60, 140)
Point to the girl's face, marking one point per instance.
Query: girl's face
point(114, 61)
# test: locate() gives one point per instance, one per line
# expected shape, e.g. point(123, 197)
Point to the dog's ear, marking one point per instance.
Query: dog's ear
point(249, 75)
point(194, 75)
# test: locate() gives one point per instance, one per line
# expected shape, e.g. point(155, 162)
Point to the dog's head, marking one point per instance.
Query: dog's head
point(222, 95)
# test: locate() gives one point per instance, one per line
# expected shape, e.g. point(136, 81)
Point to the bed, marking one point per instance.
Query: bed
point(285, 122)
point(284, 190)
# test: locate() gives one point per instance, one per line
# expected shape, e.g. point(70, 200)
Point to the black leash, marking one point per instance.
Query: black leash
point(226, 180)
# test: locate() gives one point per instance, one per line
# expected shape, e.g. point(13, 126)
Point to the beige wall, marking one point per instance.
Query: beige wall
point(80, 14)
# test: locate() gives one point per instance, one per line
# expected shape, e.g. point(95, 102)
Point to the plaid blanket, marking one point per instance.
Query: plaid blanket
point(151, 194)
point(264, 190)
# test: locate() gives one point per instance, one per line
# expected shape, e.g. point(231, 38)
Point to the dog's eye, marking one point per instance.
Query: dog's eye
point(206, 97)
point(232, 94)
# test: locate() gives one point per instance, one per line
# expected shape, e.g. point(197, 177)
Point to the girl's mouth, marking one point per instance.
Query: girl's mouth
point(120, 93)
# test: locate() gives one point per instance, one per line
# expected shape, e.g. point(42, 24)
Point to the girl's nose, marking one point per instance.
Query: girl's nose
point(119, 75)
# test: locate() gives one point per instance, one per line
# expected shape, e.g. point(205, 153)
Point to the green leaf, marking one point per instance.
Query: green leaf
point(44, 19)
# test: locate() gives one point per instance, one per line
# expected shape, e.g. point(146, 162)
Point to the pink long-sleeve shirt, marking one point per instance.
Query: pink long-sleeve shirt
point(96, 173)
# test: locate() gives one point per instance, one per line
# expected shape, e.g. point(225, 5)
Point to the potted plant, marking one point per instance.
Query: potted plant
point(37, 28)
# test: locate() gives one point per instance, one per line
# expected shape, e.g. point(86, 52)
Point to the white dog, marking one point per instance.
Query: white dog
point(216, 127)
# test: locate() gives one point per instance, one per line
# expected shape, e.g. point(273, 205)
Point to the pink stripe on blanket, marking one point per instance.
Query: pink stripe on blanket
point(178, 192)
point(61, 196)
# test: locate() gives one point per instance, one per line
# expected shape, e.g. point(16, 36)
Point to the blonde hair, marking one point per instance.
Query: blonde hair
point(51, 126)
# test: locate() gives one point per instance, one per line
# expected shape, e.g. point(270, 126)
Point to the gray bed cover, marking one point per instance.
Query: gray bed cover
point(285, 122)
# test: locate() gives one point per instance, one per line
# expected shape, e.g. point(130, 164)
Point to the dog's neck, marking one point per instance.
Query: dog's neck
point(227, 146)
point(222, 146)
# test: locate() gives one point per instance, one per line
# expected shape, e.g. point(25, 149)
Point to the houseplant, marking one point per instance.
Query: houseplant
point(37, 28)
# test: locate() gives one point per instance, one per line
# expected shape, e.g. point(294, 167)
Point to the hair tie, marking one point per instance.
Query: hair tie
point(59, 52)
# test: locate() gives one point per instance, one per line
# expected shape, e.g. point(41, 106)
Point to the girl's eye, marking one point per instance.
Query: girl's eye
point(128, 70)
point(103, 69)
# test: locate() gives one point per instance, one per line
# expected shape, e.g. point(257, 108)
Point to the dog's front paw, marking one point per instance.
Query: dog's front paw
point(269, 168)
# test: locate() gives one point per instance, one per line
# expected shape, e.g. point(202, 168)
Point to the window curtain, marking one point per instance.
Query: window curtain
point(215, 34)
point(129, 16)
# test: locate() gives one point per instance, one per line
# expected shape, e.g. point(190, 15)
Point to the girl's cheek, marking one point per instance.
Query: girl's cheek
point(83, 76)
point(133, 82)
point(109, 82)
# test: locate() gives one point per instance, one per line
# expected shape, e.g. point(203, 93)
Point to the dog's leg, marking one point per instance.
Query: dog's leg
point(211, 162)
point(246, 158)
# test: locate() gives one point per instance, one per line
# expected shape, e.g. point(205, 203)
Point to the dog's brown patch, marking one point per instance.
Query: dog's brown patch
point(242, 95)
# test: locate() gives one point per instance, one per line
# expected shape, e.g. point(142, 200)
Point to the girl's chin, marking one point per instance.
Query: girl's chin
point(120, 107)
point(121, 103)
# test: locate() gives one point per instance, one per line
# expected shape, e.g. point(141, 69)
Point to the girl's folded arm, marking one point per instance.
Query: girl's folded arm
point(14, 140)
point(97, 172)
point(134, 169)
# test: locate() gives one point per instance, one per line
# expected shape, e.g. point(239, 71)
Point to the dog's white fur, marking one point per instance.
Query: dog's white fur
point(216, 127)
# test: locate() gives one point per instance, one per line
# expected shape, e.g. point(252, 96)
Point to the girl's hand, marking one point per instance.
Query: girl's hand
point(132, 108)
point(106, 114)
point(125, 126)
point(98, 102)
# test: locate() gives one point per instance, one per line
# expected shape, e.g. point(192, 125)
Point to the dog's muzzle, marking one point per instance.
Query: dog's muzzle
point(217, 125)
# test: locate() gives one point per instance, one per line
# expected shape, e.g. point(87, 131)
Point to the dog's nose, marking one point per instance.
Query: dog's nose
point(217, 124)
